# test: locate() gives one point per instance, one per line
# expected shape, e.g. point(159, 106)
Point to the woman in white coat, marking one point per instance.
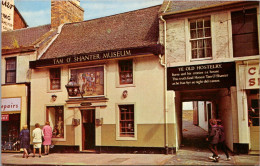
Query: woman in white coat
point(37, 139)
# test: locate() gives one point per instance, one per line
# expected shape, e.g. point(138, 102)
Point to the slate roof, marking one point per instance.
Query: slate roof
point(183, 6)
point(23, 37)
point(127, 30)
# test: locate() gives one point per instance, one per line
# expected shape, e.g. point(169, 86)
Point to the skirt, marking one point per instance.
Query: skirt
point(37, 145)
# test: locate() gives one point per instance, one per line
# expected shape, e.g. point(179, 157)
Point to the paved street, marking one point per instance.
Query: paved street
point(183, 157)
point(192, 152)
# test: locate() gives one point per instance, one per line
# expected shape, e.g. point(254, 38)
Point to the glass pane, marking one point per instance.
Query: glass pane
point(200, 24)
point(193, 34)
point(200, 44)
point(194, 54)
point(207, 32)
point(207, 23)
point(10, 77)
point(208, 43)
point(122, 116)
point(200, 33)
point(194, 44)
point(200, 53)
point(193, 25)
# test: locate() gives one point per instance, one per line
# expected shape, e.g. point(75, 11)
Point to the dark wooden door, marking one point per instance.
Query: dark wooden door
point(88, 129)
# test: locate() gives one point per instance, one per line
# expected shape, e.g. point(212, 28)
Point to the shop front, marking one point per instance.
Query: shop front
point(250, 88)
point(13, 115)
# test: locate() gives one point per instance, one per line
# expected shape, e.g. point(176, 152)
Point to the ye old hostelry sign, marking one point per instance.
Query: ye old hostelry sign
point(206, 76)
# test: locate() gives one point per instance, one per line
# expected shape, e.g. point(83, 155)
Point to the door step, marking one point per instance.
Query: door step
point(254, 152)
point(88, 151)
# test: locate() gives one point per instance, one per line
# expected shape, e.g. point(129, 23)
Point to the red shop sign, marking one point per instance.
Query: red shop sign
point(5, 117)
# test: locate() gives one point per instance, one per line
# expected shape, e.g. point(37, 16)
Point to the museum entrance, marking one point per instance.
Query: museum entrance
point(88, 130)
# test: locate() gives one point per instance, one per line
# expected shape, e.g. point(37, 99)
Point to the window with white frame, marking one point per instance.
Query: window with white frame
point(126, 120)
point(125, 72)
point(200, 38)
point(55, 115)
point(55, 77)
point(10, 76)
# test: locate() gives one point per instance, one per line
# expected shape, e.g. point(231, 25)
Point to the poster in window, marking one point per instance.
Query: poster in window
point(56, 119)
point(90, 80)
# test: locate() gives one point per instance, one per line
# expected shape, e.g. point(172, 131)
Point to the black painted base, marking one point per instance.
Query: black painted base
point(240, 148)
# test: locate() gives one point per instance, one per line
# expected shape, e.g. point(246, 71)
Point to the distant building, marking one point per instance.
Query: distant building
point(18, 48)
point(11, 17)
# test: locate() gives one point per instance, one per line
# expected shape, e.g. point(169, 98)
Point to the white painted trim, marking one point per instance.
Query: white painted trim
point(53, 39)
point(118, 138)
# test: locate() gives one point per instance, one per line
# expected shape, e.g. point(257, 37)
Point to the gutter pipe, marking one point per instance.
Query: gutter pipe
point(164, 64)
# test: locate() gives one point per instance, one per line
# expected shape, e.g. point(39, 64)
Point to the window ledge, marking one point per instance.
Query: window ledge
point(201, 59)
point(126, 139)
point(53, 91)
point(125, 85)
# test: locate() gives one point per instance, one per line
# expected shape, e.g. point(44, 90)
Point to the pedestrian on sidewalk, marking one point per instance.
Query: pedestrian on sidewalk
point(37, 139)
point(25, 141)
point(222, 144)
point(47, 132)
point(213, 139)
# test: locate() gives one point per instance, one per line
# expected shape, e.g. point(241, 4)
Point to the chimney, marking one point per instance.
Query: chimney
point(65, 11)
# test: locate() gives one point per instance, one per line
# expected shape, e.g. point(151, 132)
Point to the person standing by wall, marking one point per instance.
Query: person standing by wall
point(213, 139)
point(47, 132)
point(37, 139)
point(25, 141)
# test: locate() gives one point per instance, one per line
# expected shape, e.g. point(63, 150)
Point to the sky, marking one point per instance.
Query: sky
point(38, 12)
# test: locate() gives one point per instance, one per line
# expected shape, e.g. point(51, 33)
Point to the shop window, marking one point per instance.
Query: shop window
point(55, 115)
point(200, 38)
point(244, 33)
point(10, 132)
point(55, 74)
point(10, 70)
point(254, 112)
point(126, 72)
point(126, 120)
point(90, 80)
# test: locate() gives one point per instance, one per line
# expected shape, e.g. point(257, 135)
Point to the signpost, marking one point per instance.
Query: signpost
point(206, 76)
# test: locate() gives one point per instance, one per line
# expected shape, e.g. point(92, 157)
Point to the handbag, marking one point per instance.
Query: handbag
point(42, 139)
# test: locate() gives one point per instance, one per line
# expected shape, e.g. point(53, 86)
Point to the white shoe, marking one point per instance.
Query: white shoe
point(211, 158)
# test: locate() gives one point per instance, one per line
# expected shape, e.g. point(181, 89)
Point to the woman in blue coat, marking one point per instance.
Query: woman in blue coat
point(25, 141)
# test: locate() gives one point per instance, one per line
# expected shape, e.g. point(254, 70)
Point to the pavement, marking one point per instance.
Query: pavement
point(183, 157)
point(193, 151)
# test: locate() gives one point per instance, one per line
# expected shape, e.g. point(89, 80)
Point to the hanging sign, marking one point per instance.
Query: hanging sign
point(11, 104)
point(206, 76)
point(252, 77)
point(5, 117)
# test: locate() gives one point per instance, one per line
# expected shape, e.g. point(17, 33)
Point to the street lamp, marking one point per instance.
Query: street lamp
point(73, 88)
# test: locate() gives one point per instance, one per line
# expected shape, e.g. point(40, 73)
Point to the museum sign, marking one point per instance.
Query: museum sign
point(206, 76)
point(102, 55)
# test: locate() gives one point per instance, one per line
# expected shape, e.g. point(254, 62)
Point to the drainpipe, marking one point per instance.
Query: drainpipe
point(164, 64)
